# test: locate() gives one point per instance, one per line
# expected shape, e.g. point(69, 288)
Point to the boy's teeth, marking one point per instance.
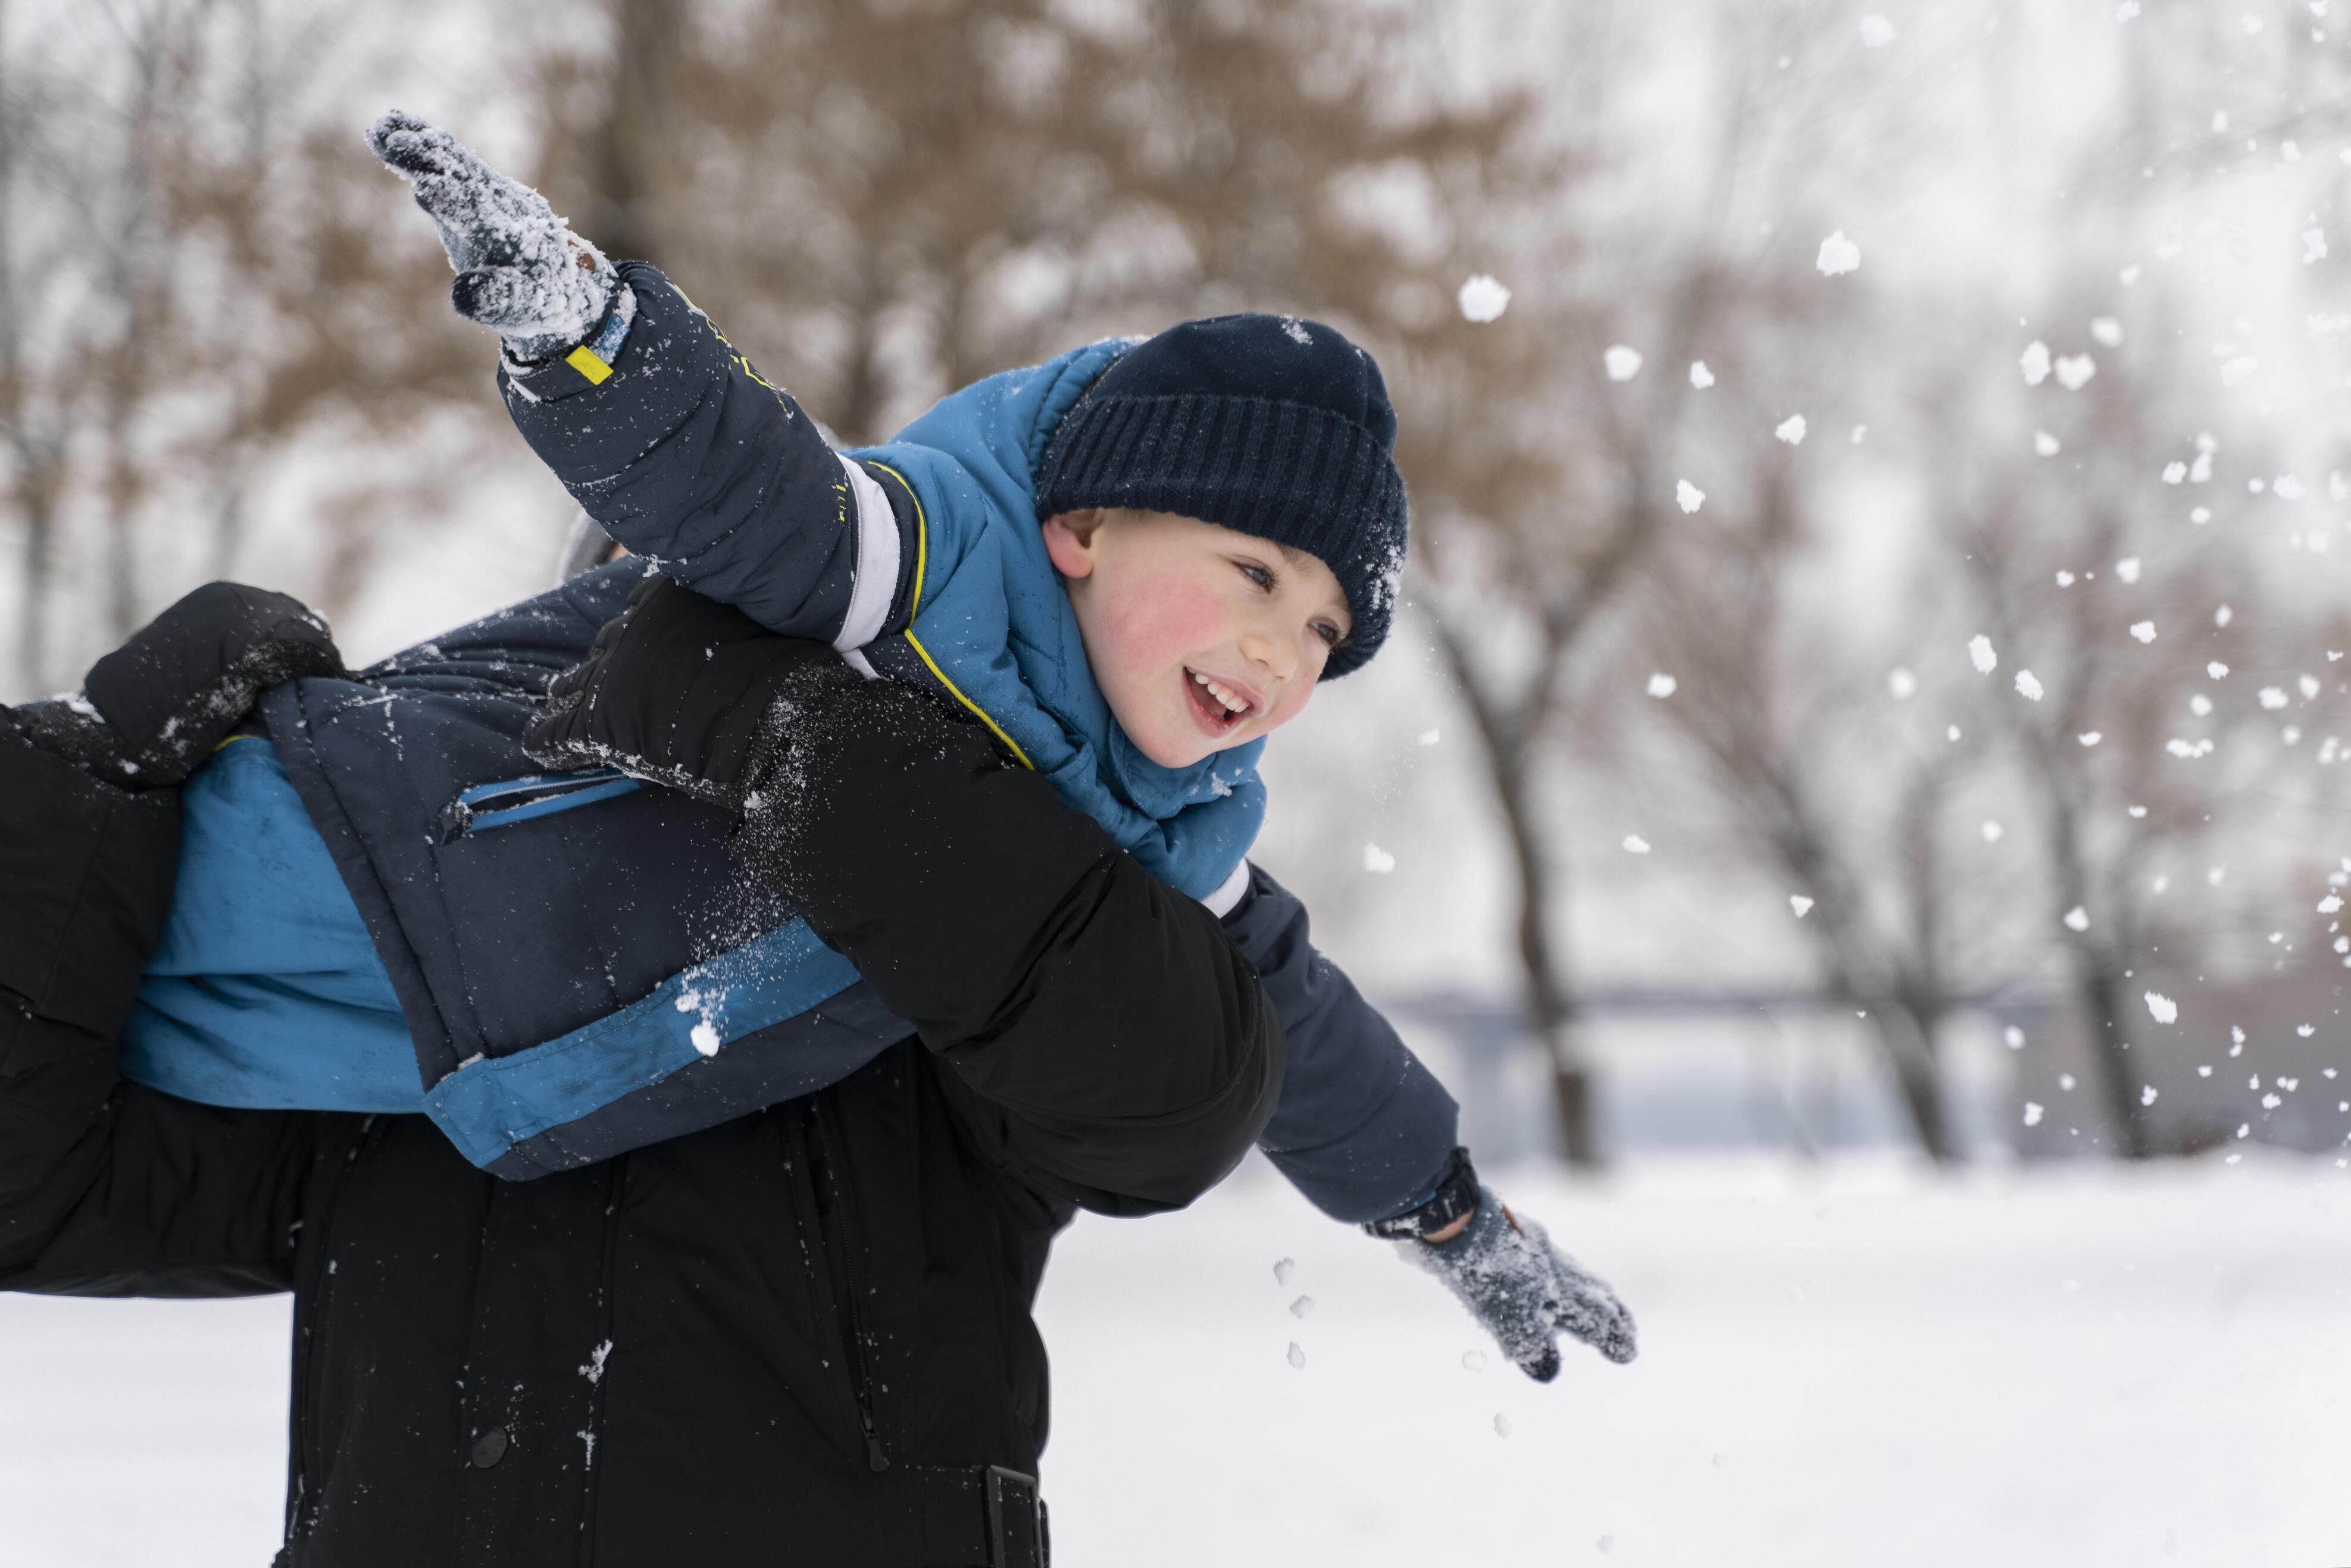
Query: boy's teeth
point(1221, 692)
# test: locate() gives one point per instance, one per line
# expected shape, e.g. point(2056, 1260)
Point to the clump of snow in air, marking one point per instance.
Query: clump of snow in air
point(2090, 737)
point(2314, 245)
point(1902, 684)
point(1992, 832)
point(2272, 696)
point(1473, 1361)
point(2143, 630)
point(2128, 568)
point(1876, 32)
point(2027, 686)
point(2106, 330)
point(2034, 362)
point(1302, 1306)
point(2174, 472)
point(1635, 844)
point(2077, 919)
point(2216, 670)
point(2162, 1009)
point(1662, 685)
point(2046, 444)
point(1981, 655)
point(1483, 298)
point(2012, 1038)
point(2330, 905)
point(1838, 255)
point(2286, 487)
point(2032, 1113)
point(1284, 1269)
point(1622, 362)
point(1502, 1424)
point(1858, 431)
point(2308, 684)
point(1700, 377)
point(1688, 497)
point(2200, 705)
point(1428, 737)
point(1296, 1357)
point(1377, 861)
point(2075, 370)
point(1792, 429)
point(2064, 580)
point(1800, 904)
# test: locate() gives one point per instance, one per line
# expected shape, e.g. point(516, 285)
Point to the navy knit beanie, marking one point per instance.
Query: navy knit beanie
point(1265, 425)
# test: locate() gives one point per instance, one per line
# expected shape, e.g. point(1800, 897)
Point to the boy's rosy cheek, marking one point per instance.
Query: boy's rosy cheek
point(1165, 621)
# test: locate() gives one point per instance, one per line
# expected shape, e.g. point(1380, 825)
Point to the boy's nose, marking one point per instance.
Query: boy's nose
point(1278, 657)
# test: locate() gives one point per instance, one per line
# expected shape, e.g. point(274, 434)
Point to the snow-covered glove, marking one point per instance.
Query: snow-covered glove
point(520, 270)
point(151, 711)
point(1525, 1291)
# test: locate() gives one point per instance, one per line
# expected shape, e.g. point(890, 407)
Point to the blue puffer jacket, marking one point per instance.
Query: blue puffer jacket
point(580, 968)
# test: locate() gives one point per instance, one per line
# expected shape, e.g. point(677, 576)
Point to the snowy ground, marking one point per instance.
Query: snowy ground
point(2061, 1366)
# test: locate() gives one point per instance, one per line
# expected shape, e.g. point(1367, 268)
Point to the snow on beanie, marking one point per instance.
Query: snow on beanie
point(1268, 425)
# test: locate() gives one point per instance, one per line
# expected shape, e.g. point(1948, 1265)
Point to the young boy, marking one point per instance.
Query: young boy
point(1131, 563)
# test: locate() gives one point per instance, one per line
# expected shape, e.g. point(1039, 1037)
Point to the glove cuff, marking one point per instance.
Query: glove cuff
point(1455, 1196)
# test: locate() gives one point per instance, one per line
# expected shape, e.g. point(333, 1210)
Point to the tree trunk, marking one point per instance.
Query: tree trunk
point(1907, 1036)
point(1551, 1008)
point(2102, 1008)
point(629, 142)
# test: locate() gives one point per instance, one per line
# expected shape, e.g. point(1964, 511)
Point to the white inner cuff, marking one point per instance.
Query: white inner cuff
point(874, 582)
point(1228, 893)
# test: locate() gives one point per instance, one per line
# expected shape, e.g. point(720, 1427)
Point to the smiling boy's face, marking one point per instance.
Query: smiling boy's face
point(1200, 637)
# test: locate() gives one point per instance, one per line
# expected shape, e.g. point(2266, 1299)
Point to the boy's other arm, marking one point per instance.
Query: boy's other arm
point(1362, 1129)
point(659, 428)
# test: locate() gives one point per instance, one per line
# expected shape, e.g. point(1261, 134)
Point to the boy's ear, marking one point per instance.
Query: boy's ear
point(1069, 540)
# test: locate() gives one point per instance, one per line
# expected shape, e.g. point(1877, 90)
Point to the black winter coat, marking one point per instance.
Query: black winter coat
point(800, 1337)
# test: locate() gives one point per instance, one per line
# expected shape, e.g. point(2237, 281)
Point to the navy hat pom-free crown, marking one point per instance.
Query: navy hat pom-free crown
point(1268, 425)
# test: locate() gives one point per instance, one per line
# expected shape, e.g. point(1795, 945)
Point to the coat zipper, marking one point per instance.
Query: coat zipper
point(846, 1284)
point(307, 1348)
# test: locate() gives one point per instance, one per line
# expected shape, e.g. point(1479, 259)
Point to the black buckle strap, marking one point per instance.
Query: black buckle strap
point(1455, 1194)
point(1016, 1520)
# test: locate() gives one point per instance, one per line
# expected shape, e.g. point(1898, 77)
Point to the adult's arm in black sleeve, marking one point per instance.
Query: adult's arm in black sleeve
point(1114, 1046)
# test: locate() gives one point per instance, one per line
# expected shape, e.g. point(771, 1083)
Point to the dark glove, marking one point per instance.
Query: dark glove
point(520, 270)
point(151, 712)
point(1525, 1291)
point(678, 689)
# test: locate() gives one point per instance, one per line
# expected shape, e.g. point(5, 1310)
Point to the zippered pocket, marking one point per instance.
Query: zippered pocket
point(505, 802)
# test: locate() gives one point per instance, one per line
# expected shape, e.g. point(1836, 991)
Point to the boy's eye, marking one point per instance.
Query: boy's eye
point(1329, 634)
point(1262, 576)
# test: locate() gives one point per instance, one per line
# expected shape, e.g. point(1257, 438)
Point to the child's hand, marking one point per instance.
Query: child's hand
point(1525, 1291)
point(520, 270)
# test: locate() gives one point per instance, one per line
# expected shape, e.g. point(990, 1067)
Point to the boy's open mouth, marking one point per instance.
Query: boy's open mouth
point(1220, 707)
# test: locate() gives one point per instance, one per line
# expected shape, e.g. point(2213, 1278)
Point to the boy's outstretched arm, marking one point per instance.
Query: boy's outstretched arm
point(659, 428)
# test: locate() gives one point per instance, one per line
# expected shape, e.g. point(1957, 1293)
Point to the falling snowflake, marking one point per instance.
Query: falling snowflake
point(2128, 568)
point(1688, 497)
point(1296, 1357)
point(2143, 630)
point(2234, 373)
point(2162, 1009)
point(2174, 472)
point(1792, 429)
point(2032, 1113)
point(2012, 1038)
point(1302, 1306)
point(1979, 654)
point(2106, 330)
point(2046, 444)
point(1502, 1424)
point(2075, 370)
point(2034, 362)
point(1622, 362)
point(1428, 737)
point(1902, 684)
point(1483, 298)
point(2147, 1094)
point(1283, 1269)
point(1662, 685)
point(2077, 919)
point(2314, 245)
point(2090, 737)
point(2216, 670)
point(1876, 32)
point(1377, 861)
point(1700, 377)
point(1800, 904)
point(1992, 832)
point(2027, 686)
point(1635, 844)
point(1838, 255)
